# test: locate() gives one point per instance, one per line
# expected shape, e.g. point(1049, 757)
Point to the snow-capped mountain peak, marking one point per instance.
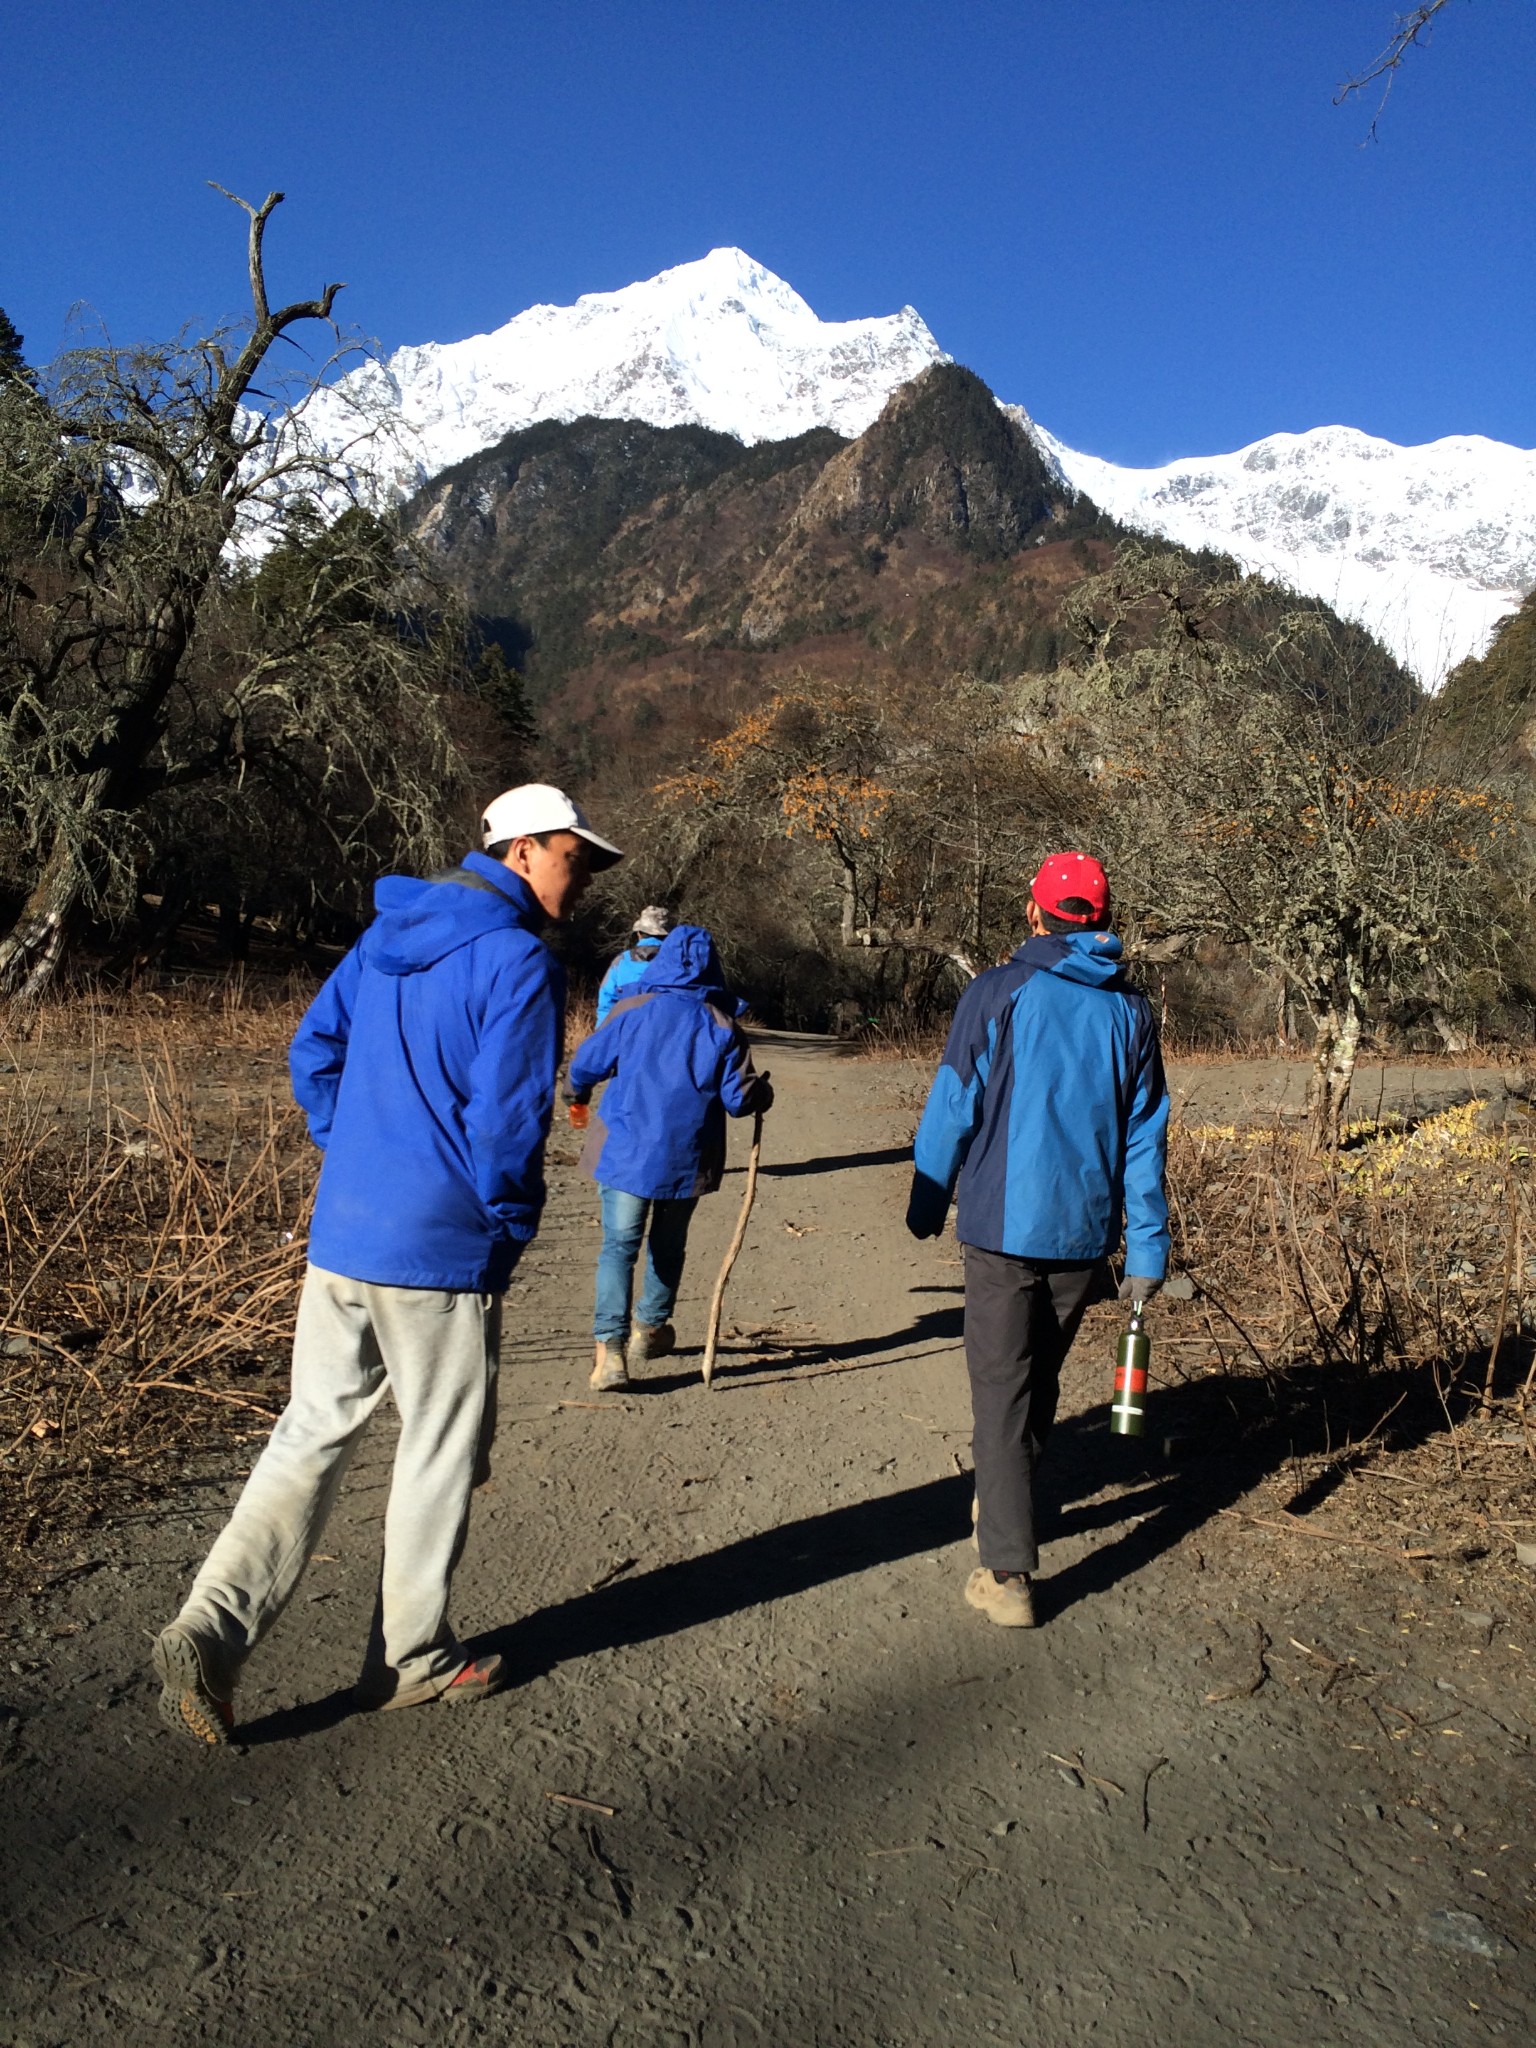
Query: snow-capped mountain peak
point(721, 342)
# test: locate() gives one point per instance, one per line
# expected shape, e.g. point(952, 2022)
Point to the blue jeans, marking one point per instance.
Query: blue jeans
point(624, 1220)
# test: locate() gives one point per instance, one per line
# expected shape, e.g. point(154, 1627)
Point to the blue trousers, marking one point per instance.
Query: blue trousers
point(666, 1247)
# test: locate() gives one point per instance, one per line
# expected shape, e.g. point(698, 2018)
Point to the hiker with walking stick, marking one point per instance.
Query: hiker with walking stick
point(1050, 1113)
point(676, 1063)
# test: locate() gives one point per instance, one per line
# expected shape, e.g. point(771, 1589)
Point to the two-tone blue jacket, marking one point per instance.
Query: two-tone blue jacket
point(676, 1063)
point(1050, 1112)
point(426, 1066)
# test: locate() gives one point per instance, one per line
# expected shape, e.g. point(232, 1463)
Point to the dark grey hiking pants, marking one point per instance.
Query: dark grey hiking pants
point(1020, 1319)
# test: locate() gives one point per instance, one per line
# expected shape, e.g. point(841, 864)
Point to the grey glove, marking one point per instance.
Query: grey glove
point(1136, 1287)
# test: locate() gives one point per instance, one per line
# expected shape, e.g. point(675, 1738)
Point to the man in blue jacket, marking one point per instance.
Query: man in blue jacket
point(625, 972)
point(676, 1063)
point(1050, 1112)
point(426, 1067)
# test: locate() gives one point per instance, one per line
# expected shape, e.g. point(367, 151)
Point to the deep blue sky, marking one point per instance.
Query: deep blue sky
point(1142, 219)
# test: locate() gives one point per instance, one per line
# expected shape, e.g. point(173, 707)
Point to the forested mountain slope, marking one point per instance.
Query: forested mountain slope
point(654, 581)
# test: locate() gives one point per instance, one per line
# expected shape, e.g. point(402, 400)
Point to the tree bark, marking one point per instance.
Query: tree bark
point(1333, 1070)
point(31, 950)
point(1451, 1036)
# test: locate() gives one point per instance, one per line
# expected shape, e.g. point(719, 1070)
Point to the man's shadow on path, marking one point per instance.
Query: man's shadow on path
point(1212, 1440)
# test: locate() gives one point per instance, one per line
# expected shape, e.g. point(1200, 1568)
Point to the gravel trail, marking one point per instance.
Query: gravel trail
point(1234, 1789)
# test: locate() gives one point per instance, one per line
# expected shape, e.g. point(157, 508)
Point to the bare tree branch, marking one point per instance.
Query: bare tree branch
point(258, 216)
point(1408, 30)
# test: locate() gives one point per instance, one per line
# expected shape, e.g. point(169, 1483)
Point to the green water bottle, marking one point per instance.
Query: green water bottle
point(1133, 1354)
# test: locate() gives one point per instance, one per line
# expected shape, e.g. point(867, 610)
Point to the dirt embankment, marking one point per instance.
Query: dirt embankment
point(1262, 1776)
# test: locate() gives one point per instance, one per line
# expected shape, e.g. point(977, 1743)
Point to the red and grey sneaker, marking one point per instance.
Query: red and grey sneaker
point(480, 1677)
point(475, 1680)
point(188, 1701)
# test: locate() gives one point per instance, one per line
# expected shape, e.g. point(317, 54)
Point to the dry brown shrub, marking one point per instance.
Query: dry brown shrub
point(580, 1020)
point(1388, 1289)
point(153, 1198)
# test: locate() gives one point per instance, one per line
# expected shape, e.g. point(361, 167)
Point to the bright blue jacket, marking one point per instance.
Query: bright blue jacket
point(426, 1066)
point(678, 1063)
point(623, 975)
point(1051, 1111)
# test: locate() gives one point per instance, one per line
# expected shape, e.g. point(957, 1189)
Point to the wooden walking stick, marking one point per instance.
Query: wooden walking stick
point(715, 1306)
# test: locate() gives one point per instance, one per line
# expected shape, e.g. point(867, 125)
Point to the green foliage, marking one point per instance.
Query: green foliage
point(1490, 699)
point(503, 690)
point(13, 364)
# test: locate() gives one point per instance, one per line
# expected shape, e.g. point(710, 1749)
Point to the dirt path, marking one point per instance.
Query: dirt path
point(1223, 1795)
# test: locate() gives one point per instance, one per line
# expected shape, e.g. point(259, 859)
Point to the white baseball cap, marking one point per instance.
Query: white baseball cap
point(540, 807)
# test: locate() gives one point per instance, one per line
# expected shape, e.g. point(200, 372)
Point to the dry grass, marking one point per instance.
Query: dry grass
point(580, 1020)
point(1382, 1301)
point(903, 1041)
point(153, 1196)
point(216, 1013)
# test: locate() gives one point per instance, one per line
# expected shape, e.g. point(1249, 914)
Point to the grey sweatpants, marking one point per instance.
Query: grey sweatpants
point(1020, 1319)
point(437, 1352)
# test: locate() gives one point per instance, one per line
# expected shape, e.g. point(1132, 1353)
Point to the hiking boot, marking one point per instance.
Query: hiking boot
point(191, 1701)
point(608, 1372)
point(1007, 1598)
point(475, 1680)
point(649, 1340)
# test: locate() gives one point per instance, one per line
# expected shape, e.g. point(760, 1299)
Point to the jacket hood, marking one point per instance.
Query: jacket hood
point(1093, 957)
point(419, 922)
point(687, 963)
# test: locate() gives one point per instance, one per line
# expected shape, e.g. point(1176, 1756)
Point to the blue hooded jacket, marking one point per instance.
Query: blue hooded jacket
point(426, 1066)
point(1051, 1111)
point(678, 1063)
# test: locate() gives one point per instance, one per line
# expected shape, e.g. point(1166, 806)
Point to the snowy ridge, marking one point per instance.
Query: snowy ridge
point(719, 343)
point(1428, 547)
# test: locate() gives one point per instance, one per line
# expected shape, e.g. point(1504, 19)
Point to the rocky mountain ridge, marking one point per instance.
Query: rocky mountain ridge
point(653, 582)
point(594, 537)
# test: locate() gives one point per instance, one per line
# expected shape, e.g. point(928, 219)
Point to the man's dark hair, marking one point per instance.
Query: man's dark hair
point(500, 848)
point(1086, 919)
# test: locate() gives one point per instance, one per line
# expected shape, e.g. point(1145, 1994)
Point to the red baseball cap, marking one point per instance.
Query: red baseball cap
point(1072, 875)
